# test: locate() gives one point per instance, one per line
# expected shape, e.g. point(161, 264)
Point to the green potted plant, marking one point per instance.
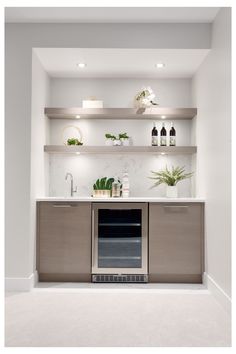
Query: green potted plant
point(170, 178)
point(102, 187)
point(124, 138)
point(73, 141)
point(110, 139)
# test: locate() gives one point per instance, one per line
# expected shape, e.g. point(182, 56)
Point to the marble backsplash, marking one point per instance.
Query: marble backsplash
point(87, 168)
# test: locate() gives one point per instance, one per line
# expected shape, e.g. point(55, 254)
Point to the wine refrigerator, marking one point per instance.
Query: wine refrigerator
point(119, 242)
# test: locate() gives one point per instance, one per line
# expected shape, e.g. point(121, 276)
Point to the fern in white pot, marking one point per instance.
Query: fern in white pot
point(170, 178)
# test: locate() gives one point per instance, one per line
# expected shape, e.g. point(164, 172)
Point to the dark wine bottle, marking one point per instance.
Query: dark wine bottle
point(172, 135)
point(163, 135)
point(154, 135)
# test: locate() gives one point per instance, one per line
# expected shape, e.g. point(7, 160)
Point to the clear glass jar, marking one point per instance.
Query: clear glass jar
point(116, 188)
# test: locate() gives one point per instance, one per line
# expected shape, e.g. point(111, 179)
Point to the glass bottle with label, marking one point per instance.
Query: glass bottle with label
point(154, 135)
point(125, 185)
point(172, 135)
point(163, 135)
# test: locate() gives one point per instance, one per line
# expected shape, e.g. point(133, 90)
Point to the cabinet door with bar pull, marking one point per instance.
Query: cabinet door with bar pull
point(64, 241)
point(176, 242)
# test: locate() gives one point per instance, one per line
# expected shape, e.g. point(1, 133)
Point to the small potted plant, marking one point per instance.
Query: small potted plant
point(170, 178)
point(73, 141)
point(110, 139)
point(124, 138)
point(102, 187)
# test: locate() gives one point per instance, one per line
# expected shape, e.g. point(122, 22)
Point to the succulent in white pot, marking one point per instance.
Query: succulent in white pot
point(124, 138)
point(110, 139)
point(170, 178)
point(102, 187)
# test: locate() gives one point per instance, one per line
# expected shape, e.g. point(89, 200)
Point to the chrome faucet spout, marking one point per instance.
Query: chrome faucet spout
point(72, 190)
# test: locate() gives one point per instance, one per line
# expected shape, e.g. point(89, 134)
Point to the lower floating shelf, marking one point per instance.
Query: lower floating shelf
point(161, 150)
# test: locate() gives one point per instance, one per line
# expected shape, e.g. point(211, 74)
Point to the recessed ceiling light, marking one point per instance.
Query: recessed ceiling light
point(160, 65)
point(77, 116)
point(81, 65)
point(163, 117)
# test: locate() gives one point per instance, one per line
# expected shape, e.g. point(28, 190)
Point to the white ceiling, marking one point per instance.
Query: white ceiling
point(111, 14)
point(132, 63)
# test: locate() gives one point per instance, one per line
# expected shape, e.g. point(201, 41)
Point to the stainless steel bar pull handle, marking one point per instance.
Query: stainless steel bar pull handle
point(176, 206)
point(62, 206)
point(93, 240)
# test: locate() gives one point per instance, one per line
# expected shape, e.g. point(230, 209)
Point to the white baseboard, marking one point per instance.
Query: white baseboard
point(27, 284)
point(21, 284)
point(219, 294)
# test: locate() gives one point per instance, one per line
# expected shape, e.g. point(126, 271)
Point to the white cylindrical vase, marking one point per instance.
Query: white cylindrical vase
point(171, 191)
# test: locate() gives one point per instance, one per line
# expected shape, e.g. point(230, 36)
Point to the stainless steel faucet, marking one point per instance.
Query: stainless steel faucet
point(72, 190)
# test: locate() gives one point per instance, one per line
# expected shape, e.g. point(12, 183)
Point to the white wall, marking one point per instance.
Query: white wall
point(39, 137)
point(17, 156)
point(112, 35)
point(116, 93)
point(20, 39)
point(212, 96)
point(119, 92)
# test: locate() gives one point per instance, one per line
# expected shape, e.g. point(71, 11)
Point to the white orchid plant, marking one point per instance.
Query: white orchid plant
point(145, 97)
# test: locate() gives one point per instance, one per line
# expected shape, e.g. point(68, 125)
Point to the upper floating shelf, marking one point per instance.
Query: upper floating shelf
point(121, 113)
point(156, 150)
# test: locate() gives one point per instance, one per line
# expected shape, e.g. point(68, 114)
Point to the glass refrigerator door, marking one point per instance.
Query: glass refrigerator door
point(119, 238)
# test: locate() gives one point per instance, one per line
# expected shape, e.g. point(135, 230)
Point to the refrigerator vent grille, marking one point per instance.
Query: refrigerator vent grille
point(123, 278)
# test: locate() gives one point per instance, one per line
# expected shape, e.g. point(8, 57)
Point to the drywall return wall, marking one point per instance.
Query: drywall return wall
point(212, 96)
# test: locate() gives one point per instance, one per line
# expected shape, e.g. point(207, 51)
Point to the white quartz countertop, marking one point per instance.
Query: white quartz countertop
point(130, 199)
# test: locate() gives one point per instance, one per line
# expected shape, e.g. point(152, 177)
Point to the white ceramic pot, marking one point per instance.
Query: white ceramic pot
point(116, 142)
point(171, 191)
point(125, 142)
point(109, 142)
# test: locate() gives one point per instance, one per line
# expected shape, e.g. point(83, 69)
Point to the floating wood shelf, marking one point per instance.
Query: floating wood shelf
point(157, 150)
point(121, 113)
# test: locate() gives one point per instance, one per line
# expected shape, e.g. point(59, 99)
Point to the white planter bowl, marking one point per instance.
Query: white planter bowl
point(125, 142)
point(171, 191)
point(109, 142)
point(116, 142)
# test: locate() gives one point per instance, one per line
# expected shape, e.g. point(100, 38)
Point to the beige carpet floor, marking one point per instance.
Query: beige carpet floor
point(145, 318)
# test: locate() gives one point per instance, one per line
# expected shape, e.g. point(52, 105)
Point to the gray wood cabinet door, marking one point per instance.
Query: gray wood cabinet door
point(64, 241)
point(176, 242)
